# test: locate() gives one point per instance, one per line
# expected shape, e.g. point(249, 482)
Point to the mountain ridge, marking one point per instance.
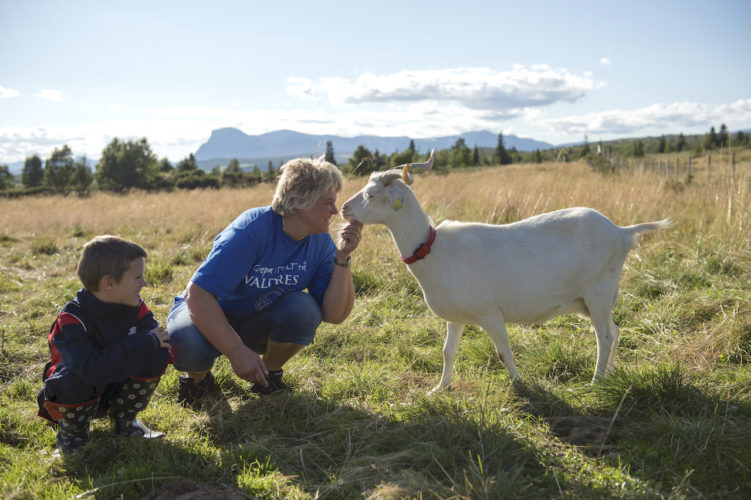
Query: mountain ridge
point(227, 143)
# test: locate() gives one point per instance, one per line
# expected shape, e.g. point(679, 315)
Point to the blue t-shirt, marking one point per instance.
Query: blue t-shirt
point(253, 262)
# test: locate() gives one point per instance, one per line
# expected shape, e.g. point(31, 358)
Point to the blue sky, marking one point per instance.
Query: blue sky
point(83, 72)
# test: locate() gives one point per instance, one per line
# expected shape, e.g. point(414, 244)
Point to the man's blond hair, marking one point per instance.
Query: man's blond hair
point(302, 182)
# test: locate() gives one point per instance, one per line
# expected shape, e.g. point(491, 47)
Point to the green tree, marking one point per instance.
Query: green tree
point(361, 161)
point(232, 175)
point(516, 156)
point(501, 155)
point(661, 145)
point(255, 174)
point(6, 178)
point(82, 177)
point(233, 166)
point(59, 168)
point(412, 149)
point(378, 160)
point(401, 158)
point(475, 156)
point(710, 140)
point(165, 166)
point(681, 144)
point(187, 165)
point(741, 138)
point(461, 155)
point(32, 174)
point(330, 152)
point(638, 149)
point(125, 165)
point(270, 174)
point(723, 138)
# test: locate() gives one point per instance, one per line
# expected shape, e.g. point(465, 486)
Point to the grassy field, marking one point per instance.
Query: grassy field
point(673, 421)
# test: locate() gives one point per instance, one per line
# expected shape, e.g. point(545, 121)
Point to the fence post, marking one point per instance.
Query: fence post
point(732, 186)
point(709, 165)
point(689, 168)
point(677, 168)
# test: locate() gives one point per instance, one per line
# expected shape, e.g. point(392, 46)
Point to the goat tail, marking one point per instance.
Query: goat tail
point(633, 232)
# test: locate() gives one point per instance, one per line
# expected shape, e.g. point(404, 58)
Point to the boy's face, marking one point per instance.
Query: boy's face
point(127, 291)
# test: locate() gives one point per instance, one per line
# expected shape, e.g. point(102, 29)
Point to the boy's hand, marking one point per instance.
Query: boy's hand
point(162, 335)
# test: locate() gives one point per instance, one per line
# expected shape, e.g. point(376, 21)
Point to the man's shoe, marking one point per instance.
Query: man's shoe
point(188, 392)
point(275, 384)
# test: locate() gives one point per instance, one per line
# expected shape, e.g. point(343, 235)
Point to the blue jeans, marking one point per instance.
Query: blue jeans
point(292, 318)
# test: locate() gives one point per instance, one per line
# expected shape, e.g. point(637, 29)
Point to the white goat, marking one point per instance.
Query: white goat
point(563, 262)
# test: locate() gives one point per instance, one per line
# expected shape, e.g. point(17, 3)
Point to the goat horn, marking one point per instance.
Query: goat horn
point(406, 177)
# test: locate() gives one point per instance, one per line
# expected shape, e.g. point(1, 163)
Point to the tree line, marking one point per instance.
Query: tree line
point(124, 165)
point(130, 164)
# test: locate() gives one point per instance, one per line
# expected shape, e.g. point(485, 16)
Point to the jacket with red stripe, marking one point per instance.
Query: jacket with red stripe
point(100, 342)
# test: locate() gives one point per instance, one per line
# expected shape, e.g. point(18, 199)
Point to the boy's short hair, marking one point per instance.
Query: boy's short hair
point(106, 256)
point(302, 182)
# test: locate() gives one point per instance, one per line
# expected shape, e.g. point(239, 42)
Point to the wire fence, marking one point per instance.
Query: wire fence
point(710, 168)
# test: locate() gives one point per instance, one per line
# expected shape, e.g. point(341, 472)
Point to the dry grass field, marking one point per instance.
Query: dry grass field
point(674, 420)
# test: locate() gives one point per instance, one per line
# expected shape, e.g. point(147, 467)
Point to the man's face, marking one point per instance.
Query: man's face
point(318, 217)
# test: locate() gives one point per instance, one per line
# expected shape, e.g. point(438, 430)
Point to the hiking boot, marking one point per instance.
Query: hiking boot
point(188, 392)
point(275, 384)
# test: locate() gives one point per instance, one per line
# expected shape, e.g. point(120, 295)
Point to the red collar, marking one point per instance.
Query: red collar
point(422, 250)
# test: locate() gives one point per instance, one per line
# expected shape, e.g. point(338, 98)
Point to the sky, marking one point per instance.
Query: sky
point(84, 72)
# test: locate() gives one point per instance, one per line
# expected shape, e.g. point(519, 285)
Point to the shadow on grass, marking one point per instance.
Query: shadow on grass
point(118, 467)
point(681, 438)
point(672, 437)
point(326, 448)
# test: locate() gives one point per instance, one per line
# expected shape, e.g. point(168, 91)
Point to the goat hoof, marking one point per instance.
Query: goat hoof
point(437, 389)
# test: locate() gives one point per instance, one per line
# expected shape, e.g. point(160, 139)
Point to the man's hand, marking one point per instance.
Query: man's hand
point(248, 365)
point(349, 237)
point(162, 336)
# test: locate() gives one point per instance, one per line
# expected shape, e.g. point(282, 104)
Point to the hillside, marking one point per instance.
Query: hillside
point(227, 143)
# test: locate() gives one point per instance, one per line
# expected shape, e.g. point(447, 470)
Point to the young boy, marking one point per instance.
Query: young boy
point(107, 350)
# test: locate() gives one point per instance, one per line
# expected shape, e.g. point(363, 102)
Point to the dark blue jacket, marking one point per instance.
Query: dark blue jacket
point(94, 343)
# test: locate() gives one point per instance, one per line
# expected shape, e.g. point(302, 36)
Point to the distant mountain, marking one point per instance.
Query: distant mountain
point(228, 143)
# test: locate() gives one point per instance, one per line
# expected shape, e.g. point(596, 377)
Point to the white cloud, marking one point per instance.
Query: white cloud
point(672, 117)
point(175, 132)
point(52, 95)
point(605, 61)
point(7, 93)
point(302, 88)
point(472, 87)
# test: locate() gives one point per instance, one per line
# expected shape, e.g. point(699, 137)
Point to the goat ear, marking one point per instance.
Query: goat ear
point(396, 196)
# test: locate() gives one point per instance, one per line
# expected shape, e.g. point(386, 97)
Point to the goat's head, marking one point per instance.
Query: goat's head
point(384, 195)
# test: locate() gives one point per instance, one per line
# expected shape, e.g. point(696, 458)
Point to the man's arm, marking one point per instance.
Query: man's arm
point(339, 297)
point(210, 320)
